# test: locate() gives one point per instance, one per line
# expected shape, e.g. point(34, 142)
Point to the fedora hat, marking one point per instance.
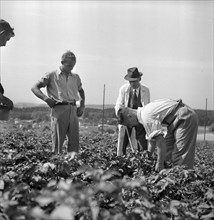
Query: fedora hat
point(133, 74)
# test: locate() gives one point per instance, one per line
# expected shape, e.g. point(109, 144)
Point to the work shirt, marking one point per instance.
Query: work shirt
point(124, 95)
point(152, 115)
point(60, 87)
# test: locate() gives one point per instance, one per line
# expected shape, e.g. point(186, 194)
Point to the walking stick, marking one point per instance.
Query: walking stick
point(130, 142)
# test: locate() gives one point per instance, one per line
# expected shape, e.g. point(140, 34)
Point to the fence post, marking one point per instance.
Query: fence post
point(205, 121)
point(103, 108)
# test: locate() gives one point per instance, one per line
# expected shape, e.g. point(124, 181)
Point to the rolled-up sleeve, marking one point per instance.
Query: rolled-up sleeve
point(44, 81)
point(153, 129)
point(152, 126)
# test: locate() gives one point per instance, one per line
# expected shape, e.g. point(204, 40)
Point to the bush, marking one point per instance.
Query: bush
point(211, 127)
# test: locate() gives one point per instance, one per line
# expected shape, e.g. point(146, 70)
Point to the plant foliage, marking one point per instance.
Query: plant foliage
point(96, 184)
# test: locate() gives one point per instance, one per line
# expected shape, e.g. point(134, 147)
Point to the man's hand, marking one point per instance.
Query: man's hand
point(50, 102)
point(6, 101)
point(159, 167)
point(80, 111)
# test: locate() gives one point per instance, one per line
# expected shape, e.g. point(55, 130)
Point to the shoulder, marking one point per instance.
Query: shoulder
point(144, 87)
point(75, 75)
point(51, 73)
point(124, 87)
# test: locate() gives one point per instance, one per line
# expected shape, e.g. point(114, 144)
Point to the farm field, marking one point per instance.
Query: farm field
point(209, 136)
point(96, 184)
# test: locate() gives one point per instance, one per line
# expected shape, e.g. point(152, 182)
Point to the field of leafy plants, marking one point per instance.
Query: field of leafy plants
point(96, 184)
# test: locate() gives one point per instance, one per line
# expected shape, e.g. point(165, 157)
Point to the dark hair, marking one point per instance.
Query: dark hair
point(68, 55)
point(6, 26)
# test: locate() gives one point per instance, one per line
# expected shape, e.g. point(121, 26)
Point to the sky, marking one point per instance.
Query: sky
point(171, 43)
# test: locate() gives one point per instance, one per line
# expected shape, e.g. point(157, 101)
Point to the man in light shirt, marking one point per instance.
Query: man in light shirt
point(63, 89)
point(133, 94)
point(177, 143)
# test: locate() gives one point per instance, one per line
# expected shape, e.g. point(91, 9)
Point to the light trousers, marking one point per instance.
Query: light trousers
point(64, 123)
point(181, 138)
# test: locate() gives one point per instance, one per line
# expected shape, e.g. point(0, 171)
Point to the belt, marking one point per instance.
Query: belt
point(168, 120)
point(66, 103)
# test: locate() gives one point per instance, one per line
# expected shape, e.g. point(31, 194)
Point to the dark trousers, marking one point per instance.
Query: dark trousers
point(140, 136)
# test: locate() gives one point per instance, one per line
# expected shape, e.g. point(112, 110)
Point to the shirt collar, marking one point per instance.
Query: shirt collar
point(137, 90)
point(59, 71)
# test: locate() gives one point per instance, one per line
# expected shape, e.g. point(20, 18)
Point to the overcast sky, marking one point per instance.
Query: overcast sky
point(171, 42)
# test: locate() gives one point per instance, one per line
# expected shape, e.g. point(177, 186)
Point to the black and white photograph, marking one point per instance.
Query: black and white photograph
point(106, 109)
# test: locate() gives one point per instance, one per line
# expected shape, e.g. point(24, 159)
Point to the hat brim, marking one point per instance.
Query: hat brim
point(133, 79)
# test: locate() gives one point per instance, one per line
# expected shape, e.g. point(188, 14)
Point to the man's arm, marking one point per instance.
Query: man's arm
point(80, 110)
point(120, 103)
point(161, 152)
point(82, 95)
point(151, 146)
point(36, 89)
point(1, 97)
point(6, 101)
point(1, 89)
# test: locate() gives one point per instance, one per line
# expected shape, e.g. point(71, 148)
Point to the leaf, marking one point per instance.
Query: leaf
point(3, 216)
point(209, 194)
point(173, 208)
point(49, 165)
point(36, 178)
point(1, 185)
point(62, 213)
point(37, 212)
point(133, 184)
point(43, 201)
point(105, 214)
point(208, 217)
point(134, 216)
point(11, 174)
point(29, 172)
point(64, 185)
point(203, 206)
point(107, 187)
point(94, 209)
point(191, 215)
point(109, 175)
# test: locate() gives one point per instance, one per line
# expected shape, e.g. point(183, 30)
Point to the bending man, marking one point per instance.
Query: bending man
point(178, 142)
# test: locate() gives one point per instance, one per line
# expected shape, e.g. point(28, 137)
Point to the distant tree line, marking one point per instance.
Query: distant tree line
point(93, 115)
point(31, 113)
point(205, 118)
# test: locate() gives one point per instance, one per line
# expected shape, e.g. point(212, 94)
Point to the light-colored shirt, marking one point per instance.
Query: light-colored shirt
point(137, 91)
point(124, 93)
point(152, 115)
point(60, 87)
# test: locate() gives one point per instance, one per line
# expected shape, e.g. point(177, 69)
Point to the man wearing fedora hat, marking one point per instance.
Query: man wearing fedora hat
point(133, 94)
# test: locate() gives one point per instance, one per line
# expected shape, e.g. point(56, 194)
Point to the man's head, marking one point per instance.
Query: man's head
point(6, 32)
point(68, 61)
point(134, 77)
point(127, 117)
